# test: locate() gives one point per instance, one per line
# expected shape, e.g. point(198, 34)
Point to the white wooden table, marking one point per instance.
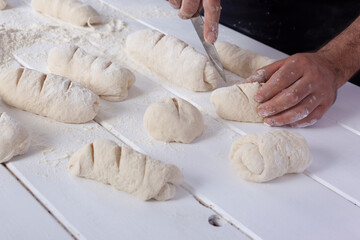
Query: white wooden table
point(39, 199)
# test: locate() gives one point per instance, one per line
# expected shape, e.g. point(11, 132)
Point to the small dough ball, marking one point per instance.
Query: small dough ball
point(173, 120)
point(266, 156)
point(236, 103)
point(14, 139)
point(3, 4)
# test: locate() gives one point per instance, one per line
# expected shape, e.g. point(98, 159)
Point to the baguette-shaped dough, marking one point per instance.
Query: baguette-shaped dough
point(72, 11)
point(3, 4)
point(172, 59)
point(126, 170)
point(263, 157)
point(236, 103)
point(48, 95)
point(14, 139)
point(106, 79)
point(240, 61)
point(173, 120)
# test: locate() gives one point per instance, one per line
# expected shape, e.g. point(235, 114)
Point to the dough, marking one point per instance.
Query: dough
point(3, 4)
point(72, 11)
point(14, 139)
point(263, 157)
point(240, 61)
point(173, 120)
point(172, 59)
point(237, 102)
point(106, 79)
point(126, 170)
point(47, 95)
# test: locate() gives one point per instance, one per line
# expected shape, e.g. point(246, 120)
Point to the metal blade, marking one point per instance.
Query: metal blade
point(210, 49)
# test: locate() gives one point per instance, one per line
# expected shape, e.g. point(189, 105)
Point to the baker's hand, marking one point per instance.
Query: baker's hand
point(298, 90)
point(212, 9)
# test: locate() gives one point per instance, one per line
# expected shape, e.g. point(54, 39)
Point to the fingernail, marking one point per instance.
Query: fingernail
point(270, 122)
point(211, 37)
point(258, 98)
point(265, 113)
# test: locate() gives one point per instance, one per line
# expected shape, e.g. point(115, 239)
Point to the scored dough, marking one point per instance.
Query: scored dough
point(263, 157)
point(173, 120)
point(240, 61)
point(3, 4)
point(14, 139)
point(236, 103)
point(72, 11)
point(172, 59)
point(47, 95)
point(126, 170)
point(106, 79)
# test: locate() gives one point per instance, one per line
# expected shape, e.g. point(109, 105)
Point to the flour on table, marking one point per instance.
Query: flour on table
point(173, 120)
point(237, 102)
point(266, 156)
point(14, 138)
point(126, 170)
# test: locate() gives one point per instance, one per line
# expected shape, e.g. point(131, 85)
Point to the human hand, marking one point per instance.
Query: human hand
point(212, 9)
point(298, 90)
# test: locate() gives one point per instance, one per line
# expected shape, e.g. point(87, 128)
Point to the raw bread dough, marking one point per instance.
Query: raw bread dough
point(3, 4)
point(47, 95)
point(72, 11)
point(237, 102)
point(173, 120)
point(263, 157)
point(14, 139)
point(173, 59)
point(126, 170)
point(240, 61)
point(106, 79)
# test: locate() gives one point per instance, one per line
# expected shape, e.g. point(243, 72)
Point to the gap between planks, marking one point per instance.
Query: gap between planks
point(38, 200)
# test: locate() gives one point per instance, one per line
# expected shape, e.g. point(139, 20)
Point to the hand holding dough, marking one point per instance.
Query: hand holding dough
point(72, 11)
point(236, 103)
point(106, 79)
point(263, 157)
point(47, 95)
point(14, 139)
point(126, 170)
point(240, 61)
point(173, 59)
point(173, 120)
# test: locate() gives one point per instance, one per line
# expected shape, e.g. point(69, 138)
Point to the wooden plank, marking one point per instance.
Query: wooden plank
point(21, 216)
point(91, 210)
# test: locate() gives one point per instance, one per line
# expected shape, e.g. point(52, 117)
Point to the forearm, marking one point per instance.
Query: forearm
point(343, 53)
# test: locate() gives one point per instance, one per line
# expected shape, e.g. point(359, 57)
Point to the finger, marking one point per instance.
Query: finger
point(312, 118)
point(212, 11)
point(189, 8)
point(263, 74)
point(295, 114)
point(175, 3)
point(287, 98)
point(281, 79)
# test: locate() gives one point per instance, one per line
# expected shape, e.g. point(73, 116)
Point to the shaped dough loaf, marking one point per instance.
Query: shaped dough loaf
point(72, 11)
point(126, 170)
point(237, 102)
point(240, 61)
point(14, 139)
point(173, 120)
point(106, 79)
point(172, 59)
point(47, 95)
point(263, 157)
point(3, 4)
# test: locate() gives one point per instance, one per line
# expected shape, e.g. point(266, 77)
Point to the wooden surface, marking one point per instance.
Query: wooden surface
point(322, 203)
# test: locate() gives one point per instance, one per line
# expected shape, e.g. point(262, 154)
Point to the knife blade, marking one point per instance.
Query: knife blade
point(210, 49)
